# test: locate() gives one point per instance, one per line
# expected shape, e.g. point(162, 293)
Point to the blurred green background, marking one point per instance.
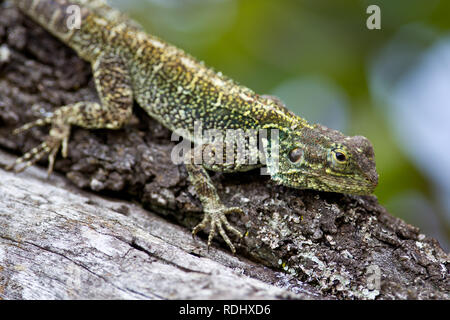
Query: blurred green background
point(391, 85)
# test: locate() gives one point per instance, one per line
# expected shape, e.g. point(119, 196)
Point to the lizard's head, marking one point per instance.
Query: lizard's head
point(316, 157)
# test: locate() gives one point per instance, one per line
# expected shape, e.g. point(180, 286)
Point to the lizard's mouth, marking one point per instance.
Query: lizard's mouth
point(364, 185)
point(347, 186)
point(372, 177)
point(351, 186)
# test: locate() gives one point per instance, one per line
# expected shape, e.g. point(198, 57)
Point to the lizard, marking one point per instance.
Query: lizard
point(178, 91)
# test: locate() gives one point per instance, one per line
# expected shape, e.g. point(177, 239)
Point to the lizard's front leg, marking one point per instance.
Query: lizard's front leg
point(114, 88)
point(213, 208)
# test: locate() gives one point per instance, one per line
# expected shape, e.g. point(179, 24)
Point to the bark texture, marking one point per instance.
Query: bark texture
point(57, 242)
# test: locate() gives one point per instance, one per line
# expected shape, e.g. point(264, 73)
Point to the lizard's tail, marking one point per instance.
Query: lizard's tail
point(101, 8)
point(60, 17)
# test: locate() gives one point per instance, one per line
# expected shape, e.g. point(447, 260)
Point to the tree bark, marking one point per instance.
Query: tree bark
point(59, 242)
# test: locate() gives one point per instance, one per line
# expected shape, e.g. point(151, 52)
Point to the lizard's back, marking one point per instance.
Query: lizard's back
point(169, 84)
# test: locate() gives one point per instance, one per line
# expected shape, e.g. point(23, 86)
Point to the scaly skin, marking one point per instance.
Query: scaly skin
point(179, 91)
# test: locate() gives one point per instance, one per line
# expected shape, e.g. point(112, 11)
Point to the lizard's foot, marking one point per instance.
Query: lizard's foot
point(216, 219)
point(59, 135)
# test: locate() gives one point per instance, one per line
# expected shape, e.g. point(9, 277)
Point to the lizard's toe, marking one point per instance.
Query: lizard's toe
point(36, 123)
point(225, 236)
point(229, 227)
point(233, 210)
point(59, 135)
point(49, 146)
point(216, 220)
point(202, 225)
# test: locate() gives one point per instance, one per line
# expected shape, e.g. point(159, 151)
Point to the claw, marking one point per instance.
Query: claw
point(229, 227)
point(50, 146)
point(201, 225)
point(59, 134)
point(29, 158)
point(217, 220)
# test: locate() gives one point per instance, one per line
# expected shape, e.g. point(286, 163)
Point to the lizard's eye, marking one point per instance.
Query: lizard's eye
point(295, 155)
point(339, 155)
point(338, 159)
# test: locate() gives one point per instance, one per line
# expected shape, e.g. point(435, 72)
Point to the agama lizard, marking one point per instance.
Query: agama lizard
point(177, 90)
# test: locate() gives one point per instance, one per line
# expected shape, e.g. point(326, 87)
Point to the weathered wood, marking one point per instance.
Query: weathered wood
point(335, 243)
point(60, 243)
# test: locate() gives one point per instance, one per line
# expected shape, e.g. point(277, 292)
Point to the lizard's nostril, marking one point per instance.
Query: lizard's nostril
point(374, 178)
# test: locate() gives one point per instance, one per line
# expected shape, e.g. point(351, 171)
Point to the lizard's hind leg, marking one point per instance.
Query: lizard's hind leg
point(113, 84)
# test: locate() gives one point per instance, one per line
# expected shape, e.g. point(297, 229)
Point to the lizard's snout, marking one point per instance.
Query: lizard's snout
point(366, 159)
point(373, 177)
